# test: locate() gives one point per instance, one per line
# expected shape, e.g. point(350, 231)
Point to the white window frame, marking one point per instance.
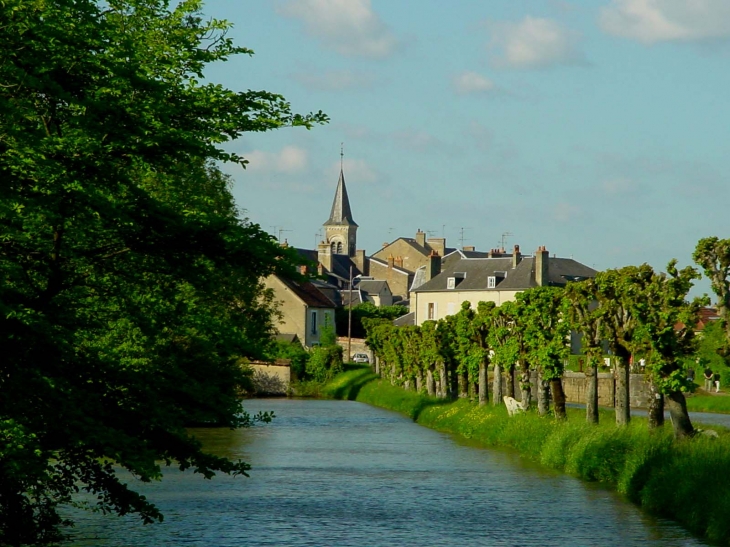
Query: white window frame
point(450, 282)
point(491, 282)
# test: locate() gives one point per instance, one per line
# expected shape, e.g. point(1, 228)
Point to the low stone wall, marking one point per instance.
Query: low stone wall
point(271, 378)
point(574, 385)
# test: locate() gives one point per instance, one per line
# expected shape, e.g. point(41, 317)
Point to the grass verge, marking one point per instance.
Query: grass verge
point(709, 403)
point(684, 481)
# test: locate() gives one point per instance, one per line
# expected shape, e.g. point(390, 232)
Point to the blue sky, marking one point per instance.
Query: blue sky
point(596, 128)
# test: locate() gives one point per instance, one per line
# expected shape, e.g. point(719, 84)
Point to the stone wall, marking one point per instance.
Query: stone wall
point(357, 346)
point(574, 384)
point(271, 378)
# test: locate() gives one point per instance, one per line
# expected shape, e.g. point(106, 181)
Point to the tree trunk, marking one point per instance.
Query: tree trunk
point(510, 387)
point(592, 392)
point(623, 408)
point(443, 381)
point(430, 387)
point(377, 365)
point(543, 395)
point(483, 395)
point(462, 385)
point(407, 385)
point(471, 387)
point(656, 406)
point(419, 381)
point(453, 383)
point(681, 423)
point(525, 389)
point(497, 386)
point(556, 386)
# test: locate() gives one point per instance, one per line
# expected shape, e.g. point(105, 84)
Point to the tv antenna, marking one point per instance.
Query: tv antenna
point(505, 235)
point(461, 236)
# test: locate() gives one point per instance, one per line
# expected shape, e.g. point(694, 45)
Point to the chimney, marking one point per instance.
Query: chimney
point(433, 267)
point(391, 260)
point(285, 245)
point(320, 269)
point(324, 255)
point(360, 261)
point(516, 256)
point(398, 261)
point(421, 238)
point(542, 258)
point(303, 269)
point(469, 248)
point(438, 244)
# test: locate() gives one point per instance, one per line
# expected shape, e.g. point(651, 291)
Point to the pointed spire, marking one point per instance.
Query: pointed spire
point(341, 213)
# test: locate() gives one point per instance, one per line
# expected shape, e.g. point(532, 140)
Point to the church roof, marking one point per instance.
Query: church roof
point(341, 214)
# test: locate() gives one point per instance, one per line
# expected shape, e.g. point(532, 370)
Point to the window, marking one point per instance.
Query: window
point(491, 282)
point(339, 247)
point(314, 322)
point(431, 310)
point(450, 282)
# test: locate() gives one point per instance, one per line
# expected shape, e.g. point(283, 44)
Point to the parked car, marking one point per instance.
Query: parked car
point(360, 358)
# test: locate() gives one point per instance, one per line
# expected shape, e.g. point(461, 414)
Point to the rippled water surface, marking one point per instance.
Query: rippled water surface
point(338, 473)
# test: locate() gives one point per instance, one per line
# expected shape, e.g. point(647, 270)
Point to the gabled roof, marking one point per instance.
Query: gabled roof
point(384, 264)
point(355, 296)
point(341, 215)
point(373, 286)
point(307, 293)
point(476, 272)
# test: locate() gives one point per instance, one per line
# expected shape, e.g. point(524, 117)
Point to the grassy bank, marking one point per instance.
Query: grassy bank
point(709, 403)
point(687, 481)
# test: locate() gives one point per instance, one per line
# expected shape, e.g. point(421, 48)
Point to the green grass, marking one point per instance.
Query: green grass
point(685, 481)
point(709, 403)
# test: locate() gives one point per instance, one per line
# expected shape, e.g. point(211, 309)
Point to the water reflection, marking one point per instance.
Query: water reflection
point(342, 473)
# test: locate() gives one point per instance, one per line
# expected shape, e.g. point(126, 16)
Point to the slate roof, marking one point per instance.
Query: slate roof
point(341, 215)
point(477, 270)
point(308, 293)
point(405, 320)
point(357, 297)
point(373, 286)
point(340, 264)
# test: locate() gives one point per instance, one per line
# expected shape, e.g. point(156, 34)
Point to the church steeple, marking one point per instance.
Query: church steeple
point(341, 215)
point(340, 229)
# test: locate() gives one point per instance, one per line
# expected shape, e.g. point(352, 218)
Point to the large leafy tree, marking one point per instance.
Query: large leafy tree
point(130, 284)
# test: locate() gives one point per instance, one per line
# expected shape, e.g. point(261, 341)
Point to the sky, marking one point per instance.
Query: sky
point(599, 129)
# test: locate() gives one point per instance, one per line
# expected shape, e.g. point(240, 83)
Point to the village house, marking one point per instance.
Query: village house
point(496, 278)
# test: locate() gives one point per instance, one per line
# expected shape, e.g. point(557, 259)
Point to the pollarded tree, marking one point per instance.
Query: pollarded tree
point(483, 324)
point(713, 255)
point(130, 286)
point(430, 358)
point(546, 330)
point(518, 337)
point(585, 316)
point(666, 322)
point(505, 348)
point(614, 292)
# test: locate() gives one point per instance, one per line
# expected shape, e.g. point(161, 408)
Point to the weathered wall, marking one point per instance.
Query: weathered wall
point(574, 384)
point(398, 281)
point(357, 346)
point(271, 378)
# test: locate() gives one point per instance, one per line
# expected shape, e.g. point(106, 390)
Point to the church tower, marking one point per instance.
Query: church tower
point(341, 230)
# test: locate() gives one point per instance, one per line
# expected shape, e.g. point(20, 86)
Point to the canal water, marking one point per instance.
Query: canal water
point(341, 473)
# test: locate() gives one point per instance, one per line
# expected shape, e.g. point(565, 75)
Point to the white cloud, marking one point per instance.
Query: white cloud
point(417, 140)
point(471, 82)
point(290, 159)
point(351, 27)
point(534, 43)
point(652, 21)
point(335, 80)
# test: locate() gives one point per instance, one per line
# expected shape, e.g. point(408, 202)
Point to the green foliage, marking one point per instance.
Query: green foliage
point(294, 352)
point(713, 256)
point(323, 363)
point(131, 287)
point(362, 312)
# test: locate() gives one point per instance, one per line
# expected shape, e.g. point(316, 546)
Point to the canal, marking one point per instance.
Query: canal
point(341, 473)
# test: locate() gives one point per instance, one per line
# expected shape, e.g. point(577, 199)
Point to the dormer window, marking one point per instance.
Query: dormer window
point(451, 283)
point(491, 282)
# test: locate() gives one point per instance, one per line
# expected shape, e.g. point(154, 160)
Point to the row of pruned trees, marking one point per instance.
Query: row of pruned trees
point(628, 311)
